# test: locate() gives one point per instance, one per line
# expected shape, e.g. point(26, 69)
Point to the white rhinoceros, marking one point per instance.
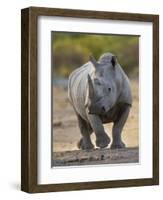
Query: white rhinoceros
point(100, 93)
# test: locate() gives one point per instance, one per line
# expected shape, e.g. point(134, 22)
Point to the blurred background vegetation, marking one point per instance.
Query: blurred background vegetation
point(72, 50)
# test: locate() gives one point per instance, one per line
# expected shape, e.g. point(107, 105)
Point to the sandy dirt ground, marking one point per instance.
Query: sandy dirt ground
point(66, 133)
point(95, 157)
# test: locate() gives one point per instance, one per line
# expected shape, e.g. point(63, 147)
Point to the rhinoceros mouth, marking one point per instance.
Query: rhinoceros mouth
point(99, 106)
point(98, 110)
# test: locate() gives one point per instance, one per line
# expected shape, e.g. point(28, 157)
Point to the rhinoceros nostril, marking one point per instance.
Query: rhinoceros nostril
point(103, 108)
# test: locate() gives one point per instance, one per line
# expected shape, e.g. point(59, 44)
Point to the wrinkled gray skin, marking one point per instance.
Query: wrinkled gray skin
point(100, 93)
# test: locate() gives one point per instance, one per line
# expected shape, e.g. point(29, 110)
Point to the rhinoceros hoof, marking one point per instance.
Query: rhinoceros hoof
point(103, 141)
point(85, 145)
point(118, 145)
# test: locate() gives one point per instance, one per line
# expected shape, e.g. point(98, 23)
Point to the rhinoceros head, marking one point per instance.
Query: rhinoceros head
point(102, 86)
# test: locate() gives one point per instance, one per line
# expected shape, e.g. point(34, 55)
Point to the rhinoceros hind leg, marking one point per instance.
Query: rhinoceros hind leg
point(86, 130)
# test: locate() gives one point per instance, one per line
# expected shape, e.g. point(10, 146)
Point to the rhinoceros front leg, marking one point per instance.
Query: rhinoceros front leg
point(118, 126)
point(102, 139)
point(85, 129)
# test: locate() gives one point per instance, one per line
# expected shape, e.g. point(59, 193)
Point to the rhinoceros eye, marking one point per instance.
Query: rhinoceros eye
point(109, 89)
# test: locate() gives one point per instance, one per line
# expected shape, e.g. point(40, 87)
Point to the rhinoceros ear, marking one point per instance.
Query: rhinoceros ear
point(114, 61)
point(93, 61)
point(90, 87)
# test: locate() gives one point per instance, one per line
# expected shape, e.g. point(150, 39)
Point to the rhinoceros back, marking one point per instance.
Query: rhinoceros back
point(78, 89)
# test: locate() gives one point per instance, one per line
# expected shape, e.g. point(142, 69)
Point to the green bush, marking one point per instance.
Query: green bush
point(71, 50)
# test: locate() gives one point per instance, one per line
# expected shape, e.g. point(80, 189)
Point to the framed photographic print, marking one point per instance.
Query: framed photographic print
point(90, 99)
